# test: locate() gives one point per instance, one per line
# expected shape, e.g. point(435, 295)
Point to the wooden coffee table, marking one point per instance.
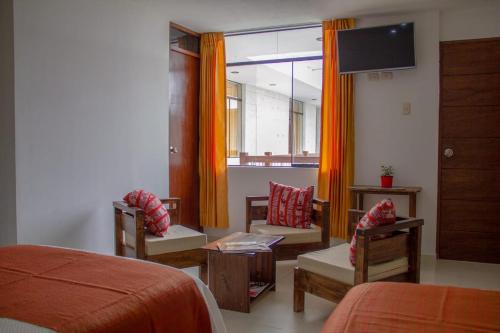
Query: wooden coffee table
point(230, 274)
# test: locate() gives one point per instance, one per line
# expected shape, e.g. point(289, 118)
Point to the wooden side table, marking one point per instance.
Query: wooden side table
point(358, 191)
point(230, 274)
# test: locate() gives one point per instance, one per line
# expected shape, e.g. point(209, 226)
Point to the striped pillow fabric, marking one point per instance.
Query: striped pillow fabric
point(290, 206)
point(156, 217)
point(384, 212)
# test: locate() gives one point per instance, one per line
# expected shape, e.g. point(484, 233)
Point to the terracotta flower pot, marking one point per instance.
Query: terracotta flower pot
point(386, 181)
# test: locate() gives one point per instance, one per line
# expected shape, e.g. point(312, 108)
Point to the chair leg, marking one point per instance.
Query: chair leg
point(298, 293)
point(298, 300)
point(204, 273)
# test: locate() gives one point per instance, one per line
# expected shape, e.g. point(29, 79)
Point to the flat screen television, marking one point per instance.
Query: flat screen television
point(374, 49)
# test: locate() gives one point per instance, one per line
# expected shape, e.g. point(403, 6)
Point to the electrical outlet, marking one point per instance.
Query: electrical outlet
point(373, 76)
point(386, 76)
point(406, 108)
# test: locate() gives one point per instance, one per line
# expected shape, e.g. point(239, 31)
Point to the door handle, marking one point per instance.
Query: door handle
point(173, 150)
point(448, 152)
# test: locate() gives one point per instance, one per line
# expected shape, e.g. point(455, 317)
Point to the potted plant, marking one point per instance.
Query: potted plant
point(386, 176)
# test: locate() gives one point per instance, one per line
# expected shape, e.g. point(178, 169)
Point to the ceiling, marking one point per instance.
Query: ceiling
point(230, 15)
point(263, 46)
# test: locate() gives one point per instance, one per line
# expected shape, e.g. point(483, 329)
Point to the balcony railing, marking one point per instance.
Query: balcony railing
point(268, 159)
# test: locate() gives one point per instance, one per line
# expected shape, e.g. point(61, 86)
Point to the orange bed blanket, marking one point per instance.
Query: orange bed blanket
point(73, 291)
point(406, 308)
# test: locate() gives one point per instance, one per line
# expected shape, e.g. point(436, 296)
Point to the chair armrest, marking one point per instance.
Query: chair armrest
point(252, 198)
point(174, 203)
point(173, 209)
point(324, 219)
point(249, 201)
point(124, 207)
point(321, 202)
point(400, 225)
point(170, 200)
point(357, 212)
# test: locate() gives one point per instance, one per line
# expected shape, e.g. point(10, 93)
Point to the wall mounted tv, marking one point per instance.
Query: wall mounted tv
point(374, 49)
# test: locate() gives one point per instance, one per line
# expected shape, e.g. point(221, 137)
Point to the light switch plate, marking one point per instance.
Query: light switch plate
point(406, 108)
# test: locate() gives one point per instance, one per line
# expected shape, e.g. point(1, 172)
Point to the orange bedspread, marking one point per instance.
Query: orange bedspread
point(404, 307)
point(72, 291)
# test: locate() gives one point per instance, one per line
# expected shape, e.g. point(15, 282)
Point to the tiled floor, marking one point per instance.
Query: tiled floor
point(273, 312)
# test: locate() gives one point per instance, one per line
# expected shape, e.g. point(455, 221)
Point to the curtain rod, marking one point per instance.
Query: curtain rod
point(272, 29)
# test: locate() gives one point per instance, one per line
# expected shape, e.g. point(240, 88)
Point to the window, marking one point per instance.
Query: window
point(273, 98)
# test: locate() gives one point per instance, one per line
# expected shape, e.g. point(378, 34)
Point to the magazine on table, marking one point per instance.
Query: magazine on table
point(256, 288)
point(243, 247)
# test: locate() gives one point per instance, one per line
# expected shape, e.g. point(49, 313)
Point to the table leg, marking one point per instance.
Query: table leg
point(229, 278)
point(354, 200)
point(413, 204)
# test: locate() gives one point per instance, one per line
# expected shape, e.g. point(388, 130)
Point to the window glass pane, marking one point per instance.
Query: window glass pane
point(307, 82)
point(233, 127)
point(266, 92)
point(233, 89)
point(297, 127)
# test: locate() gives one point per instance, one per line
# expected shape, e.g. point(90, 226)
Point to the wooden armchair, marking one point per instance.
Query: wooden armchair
point(297, 241)
point(180, 247)
point(330, 274)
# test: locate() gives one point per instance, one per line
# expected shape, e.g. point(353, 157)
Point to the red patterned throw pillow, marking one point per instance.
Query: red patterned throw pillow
point(382, 213)
point(157, 219)
point(290, 206)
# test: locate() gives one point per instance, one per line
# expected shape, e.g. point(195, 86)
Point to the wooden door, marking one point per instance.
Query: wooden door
point(469, 135)
point(184, 81)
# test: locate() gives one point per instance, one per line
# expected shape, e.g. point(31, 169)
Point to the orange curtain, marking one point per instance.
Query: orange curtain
point(336, 167)
point(212, 167)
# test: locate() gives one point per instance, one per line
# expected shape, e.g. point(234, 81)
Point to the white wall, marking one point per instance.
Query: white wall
point(7, 120)
point(470, 23)
point(408, 142)
point(91, 115)
point(244, 181)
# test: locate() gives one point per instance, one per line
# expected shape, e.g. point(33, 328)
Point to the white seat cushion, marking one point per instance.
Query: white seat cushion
point(292, 235)
point(334, 263)
point(178, 238)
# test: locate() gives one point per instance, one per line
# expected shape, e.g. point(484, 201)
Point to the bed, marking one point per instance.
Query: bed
point(403, 307)
point(48, 289)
